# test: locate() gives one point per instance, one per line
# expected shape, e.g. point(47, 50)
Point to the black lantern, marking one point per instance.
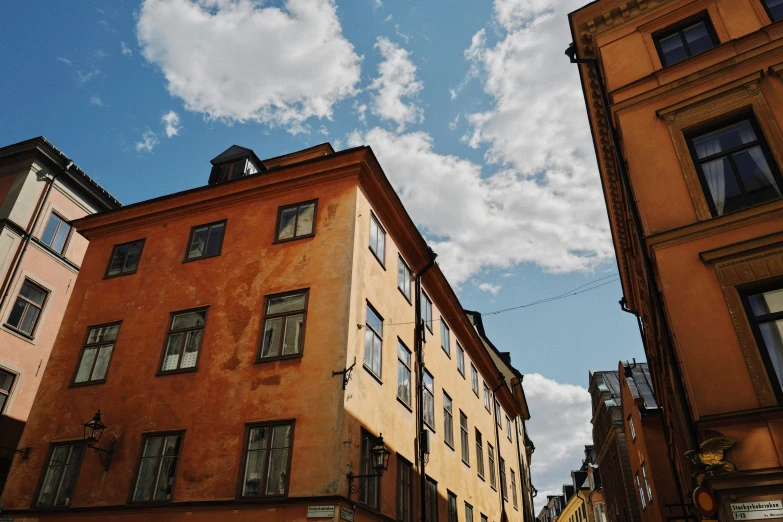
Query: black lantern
point(92, 435)
point(379, 459)
point(93, 430)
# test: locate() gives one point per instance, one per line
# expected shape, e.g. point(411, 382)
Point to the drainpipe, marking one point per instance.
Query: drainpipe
point(503, 516)
point(418, 341)
point(522, 475)
point(647, 262)
point(29, 233)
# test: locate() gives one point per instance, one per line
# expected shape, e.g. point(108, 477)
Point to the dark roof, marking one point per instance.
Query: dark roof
point(475, 318)
point(235, 152)
point(637, 375)
point(611, 379)
point(75, 173)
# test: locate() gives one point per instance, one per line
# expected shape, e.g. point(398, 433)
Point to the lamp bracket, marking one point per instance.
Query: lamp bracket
point(346, 373)
point(355, 488)
point(24, 451)
point(104, 455)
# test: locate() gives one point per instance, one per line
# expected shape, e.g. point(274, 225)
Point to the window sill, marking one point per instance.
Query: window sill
point(427, 424)
point(277, 358)
point(448, 353)
point(112, 276)
point(161, 373)
point(86, 383)
point(466, 463)
point(296, 238)
point(407, 406)
point(481, 477)
point(450, 446)
point(493, 487)
point(367, 368)
point(190, 260)
point(25, 337)
point(378, 259)
point(405, 296)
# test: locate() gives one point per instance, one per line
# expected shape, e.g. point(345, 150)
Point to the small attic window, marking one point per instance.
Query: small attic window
point(234, 163)
point(232, 170)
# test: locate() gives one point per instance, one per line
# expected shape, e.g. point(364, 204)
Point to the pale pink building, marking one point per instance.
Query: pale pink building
point(41, 192)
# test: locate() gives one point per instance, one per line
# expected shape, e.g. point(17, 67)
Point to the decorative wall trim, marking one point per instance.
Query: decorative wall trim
point(738, 265)
point(743, 93)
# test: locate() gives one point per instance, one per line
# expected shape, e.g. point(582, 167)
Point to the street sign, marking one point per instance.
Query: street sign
point(320, 511)
point(757, 510)
point(346, 514)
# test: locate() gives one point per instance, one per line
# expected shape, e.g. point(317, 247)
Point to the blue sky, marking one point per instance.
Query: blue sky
point(471, 107)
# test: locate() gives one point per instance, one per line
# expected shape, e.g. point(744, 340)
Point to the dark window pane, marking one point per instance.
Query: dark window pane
point(722, 184)
point(62, 235)
point(29, 320)
point(775, 9)
point(270, 346)
point(756, 175)
point(374, 321)
point(673, 49)
point(15, 317)
point(120, 253)
point(189, 320)
point(215, 239)
point(304, 225)
point(6, 380)
point(293, 334)
point(723, 139)
point(132, 259)
point(287, 223)
point(288, 303)
point(50, 230)
point(698, 38)
point(767, 303)
point(33, 293)
point(198, 243)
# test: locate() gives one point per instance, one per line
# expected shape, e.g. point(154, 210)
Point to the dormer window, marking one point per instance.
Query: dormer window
point(232, 170)
point(234, 163)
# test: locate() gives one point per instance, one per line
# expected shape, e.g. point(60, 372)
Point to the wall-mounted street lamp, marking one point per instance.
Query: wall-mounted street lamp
point(379, 458)
point(92, 435)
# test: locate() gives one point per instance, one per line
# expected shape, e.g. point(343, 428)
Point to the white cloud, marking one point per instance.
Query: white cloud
point(360, 109)
point(377, 3)
point(125, 49)
point(85, 77)
point(100, 54)
point(96, 100)
point(559, 427)
point(171, 122)
point(400, 34)
point(149, 140)
point(495, 221)
point(487, 287)
point(454, 122)
point(396, 80)
point(66, 61)
point(237, 60)
point(537, 131)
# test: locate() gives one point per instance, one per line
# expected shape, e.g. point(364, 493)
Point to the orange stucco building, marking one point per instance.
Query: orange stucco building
point(249, 341)
point(41, 192)
point(685, 102)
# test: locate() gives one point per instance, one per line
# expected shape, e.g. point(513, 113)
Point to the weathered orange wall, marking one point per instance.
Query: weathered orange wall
point(721, 392)
point(228, 389)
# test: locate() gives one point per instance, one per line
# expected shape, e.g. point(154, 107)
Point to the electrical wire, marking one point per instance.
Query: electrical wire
point(570, 293)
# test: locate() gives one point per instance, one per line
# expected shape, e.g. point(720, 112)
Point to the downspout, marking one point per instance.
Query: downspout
point(29, 233)
point(418, 340)
point(522, 475)
point(652, 287)
point(503, 516)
